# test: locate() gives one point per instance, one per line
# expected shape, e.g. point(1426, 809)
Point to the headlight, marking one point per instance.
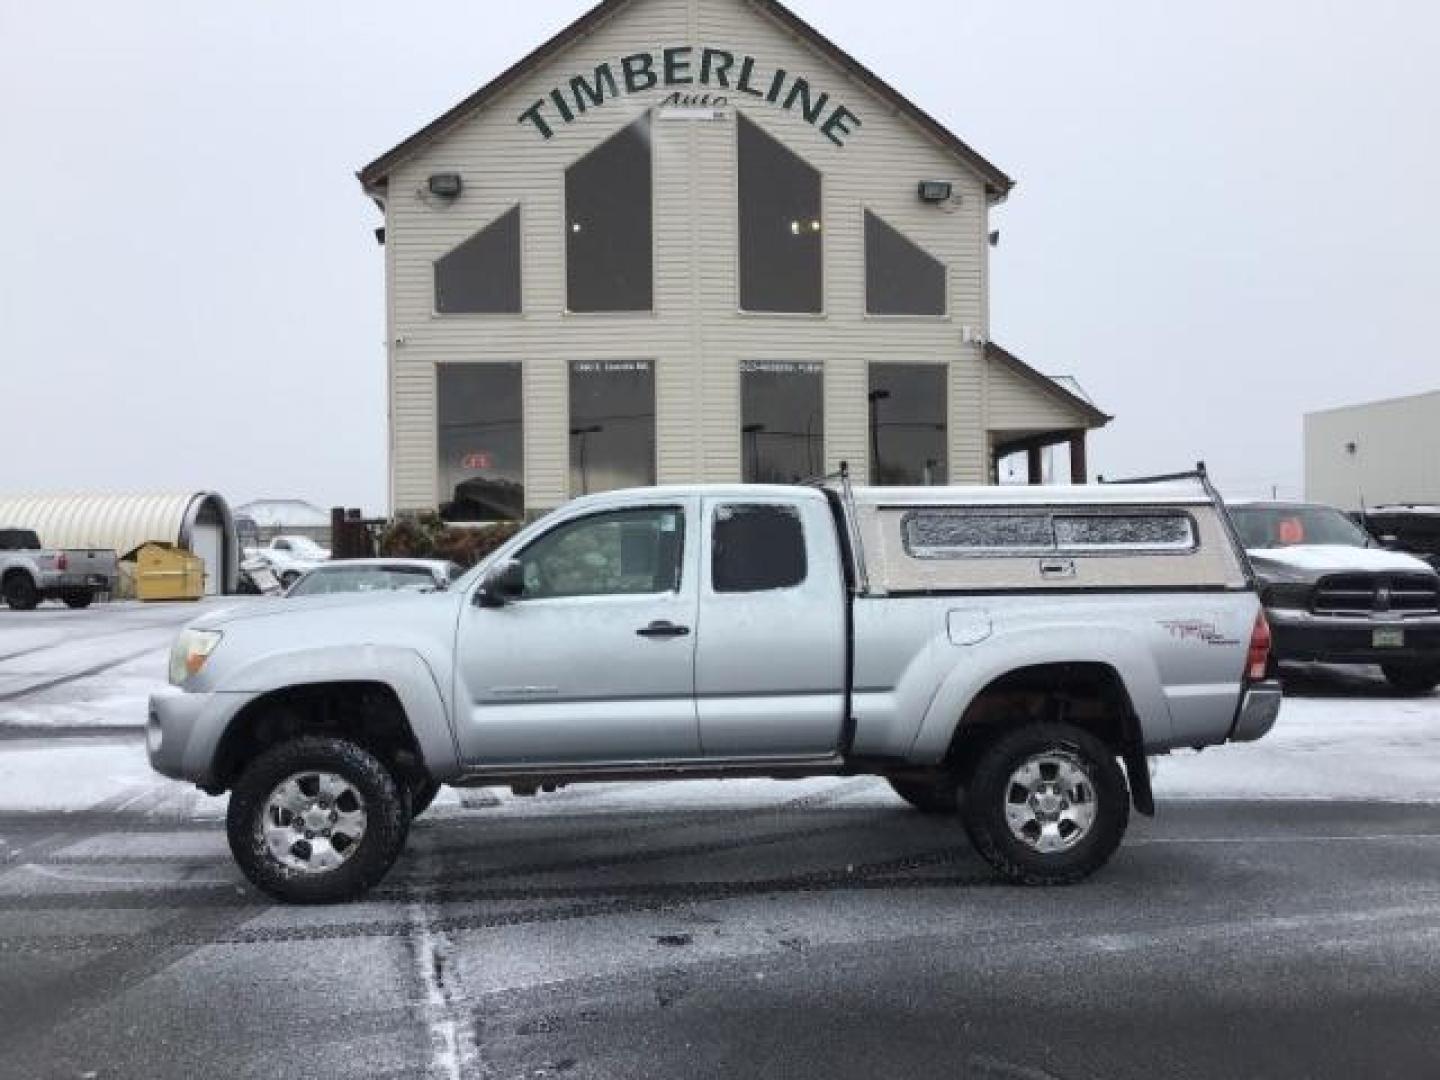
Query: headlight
point(189, 653)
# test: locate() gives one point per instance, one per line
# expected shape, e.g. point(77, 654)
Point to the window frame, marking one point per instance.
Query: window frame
point(945, 316)
point(945, 367)
point(1055, 550)
point(436, 313)
point(653, 311)
point(612, 511)
point(740, 308)
point(444, 496)
point(740, 398)
point(790, 508)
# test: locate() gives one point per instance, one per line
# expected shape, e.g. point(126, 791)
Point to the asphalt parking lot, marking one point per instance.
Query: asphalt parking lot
point(1280, 916)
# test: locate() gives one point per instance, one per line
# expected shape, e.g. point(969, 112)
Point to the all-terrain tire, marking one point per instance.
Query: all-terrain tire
point(422, 795)
point(988, 791)
point(80, 598)
point(1412, 678)
point(387, 809)
point(20, 592)
point(938, 796)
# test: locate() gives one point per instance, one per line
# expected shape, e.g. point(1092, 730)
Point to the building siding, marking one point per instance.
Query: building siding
point(696, 336)
point(1396, 457)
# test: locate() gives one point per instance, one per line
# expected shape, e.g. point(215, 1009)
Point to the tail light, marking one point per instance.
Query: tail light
point(1257, 663)
point(62, 561)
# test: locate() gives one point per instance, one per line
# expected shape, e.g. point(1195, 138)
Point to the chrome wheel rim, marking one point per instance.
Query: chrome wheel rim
point(1050, 802)
point(313, 821)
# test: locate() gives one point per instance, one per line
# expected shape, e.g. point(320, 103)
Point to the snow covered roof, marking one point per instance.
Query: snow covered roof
point(284, 514)
point(121, 522)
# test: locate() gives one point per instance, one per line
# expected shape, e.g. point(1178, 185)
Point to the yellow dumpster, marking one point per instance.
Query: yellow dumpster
point(166, 572)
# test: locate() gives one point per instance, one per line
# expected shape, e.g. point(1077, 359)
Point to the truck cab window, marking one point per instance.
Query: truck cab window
point(630, 552)
point(757, 547)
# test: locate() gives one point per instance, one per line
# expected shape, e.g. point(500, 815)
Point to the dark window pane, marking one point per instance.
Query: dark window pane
point(782, 421)
point(626, 552)
point(780, 227)
point(757, 547)
point(481, 445)
point(608, 224)
point(612, 425)
point(907, 424)
point(483, 273)
point(900, 278)
point(938, 534)
point(1129, 532)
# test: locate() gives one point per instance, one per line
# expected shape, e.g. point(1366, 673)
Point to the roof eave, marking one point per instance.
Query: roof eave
point(1095, 417)
point(372, 177)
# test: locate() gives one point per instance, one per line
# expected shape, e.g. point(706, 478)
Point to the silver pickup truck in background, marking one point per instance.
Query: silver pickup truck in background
point(30, 574)
point(1006, 655)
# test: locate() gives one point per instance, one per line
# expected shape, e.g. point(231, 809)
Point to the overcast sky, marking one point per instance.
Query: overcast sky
point(1227, 214)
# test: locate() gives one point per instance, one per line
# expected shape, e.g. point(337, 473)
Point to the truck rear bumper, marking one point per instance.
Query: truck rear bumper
point(1259, 709)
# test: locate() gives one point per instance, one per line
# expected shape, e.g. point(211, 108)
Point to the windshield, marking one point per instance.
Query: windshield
point(1289, 526)
point(349, 579)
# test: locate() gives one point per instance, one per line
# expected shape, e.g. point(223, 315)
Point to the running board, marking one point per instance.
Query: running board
point(688, 769)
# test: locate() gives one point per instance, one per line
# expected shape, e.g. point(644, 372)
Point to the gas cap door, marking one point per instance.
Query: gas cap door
point(968, 626)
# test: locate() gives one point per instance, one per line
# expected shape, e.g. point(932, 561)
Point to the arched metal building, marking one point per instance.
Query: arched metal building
point(200, 522)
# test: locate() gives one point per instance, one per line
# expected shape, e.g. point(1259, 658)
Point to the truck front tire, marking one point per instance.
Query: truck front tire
point(1046, 804)
point(316, 820)
point(20, 592)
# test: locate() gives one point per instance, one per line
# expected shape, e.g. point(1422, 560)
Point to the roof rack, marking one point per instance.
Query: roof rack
point(1201, 474)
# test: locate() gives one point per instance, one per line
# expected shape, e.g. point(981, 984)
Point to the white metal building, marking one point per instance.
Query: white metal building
point(694, 240)
point(1384, 452)
point(200, 522)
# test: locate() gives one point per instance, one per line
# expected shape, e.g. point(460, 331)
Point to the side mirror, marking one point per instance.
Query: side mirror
point(501, 585)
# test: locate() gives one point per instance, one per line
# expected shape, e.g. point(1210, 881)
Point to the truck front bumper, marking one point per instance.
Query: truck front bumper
point(184, 730)
point(1299, 635)
point(1259, 709)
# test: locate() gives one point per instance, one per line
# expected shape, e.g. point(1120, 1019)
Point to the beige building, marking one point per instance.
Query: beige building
point(1381, 453)
point(693, 240)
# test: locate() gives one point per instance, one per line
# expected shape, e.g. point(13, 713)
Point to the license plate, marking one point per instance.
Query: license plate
point(1389, 639)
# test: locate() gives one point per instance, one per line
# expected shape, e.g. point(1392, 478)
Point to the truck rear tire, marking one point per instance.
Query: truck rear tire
point(1046, 804)
point(79, 598)
point(20, 592)
point(316, 820)
point(1412, 678)
point(938, 796)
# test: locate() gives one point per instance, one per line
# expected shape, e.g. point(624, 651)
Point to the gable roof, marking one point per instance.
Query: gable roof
point(1072, 398)
point(373, 176)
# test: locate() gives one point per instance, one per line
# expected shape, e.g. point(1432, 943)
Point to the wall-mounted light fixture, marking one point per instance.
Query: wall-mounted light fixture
point(935, 191)
point(445, 185)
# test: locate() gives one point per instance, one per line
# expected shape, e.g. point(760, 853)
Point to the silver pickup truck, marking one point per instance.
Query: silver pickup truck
point(31, 573)
point(995, 653)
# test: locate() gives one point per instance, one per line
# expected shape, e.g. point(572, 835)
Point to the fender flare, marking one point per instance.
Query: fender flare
point(404, 671)
point(976, 667)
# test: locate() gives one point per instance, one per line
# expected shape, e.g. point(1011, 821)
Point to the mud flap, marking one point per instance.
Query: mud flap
point(1137, 771)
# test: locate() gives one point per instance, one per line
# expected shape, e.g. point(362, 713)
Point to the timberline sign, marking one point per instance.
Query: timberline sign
point(690, 65)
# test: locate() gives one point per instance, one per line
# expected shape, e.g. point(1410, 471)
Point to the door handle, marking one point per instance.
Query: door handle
point(662, 629)
point(1057, 568)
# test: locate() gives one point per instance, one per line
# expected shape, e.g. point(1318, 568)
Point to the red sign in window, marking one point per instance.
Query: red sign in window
point(478, 460)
